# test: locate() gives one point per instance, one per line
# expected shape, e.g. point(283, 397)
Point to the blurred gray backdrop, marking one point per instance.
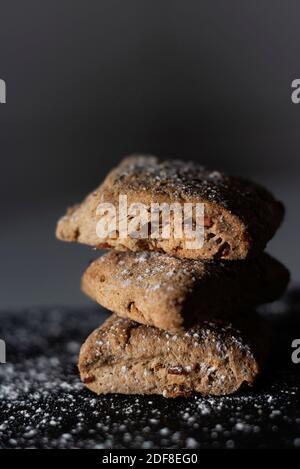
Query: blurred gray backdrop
point(91, 81)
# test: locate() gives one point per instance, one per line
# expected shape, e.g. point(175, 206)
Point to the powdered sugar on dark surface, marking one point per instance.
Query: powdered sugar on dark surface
point(44, 405)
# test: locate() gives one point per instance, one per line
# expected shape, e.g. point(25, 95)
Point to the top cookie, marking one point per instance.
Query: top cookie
point(239, 216)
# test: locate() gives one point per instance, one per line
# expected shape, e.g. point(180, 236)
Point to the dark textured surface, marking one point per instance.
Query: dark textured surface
point(43, 403)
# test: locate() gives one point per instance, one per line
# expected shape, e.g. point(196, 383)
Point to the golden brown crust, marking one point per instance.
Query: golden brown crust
point(240, 216)
point(213, 358)
point(171, 293)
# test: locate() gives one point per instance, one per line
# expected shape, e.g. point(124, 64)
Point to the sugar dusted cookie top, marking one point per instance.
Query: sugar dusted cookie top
point(182, 180)
point(171, 293)
point(239, 216)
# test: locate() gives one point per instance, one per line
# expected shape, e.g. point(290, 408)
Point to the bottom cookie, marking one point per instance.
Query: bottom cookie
point(212, 358)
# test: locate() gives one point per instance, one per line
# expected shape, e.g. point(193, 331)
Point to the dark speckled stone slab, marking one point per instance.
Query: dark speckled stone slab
point(44, 405)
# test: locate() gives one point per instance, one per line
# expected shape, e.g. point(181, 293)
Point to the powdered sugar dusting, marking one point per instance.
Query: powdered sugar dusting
point(44, 405)
point(152, 271)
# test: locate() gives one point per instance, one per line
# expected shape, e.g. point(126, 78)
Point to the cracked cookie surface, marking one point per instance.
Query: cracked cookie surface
point(171, 293)
point(213, 358)
point(239, 216)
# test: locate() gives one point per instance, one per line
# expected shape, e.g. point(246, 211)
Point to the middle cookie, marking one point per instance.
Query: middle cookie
point(171, 293)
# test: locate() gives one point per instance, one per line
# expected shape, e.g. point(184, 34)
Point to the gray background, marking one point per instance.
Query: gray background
point(88, 82)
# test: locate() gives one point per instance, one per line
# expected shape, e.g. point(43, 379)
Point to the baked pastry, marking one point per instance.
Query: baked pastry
point(239, 216)
point(172, 293)
point(213, 358)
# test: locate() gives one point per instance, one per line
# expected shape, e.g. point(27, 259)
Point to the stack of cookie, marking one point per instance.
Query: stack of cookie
point(184, 319)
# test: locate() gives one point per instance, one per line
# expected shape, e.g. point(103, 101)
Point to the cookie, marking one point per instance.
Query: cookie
point(213, 358)
point(239, 216)
point(171, 293)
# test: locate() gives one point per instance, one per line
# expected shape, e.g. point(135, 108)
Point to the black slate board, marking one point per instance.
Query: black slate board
point(44, 405)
